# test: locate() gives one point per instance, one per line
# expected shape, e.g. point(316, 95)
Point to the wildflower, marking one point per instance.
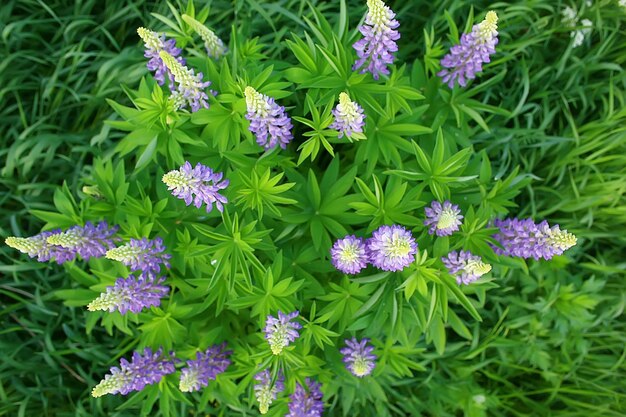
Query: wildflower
point(214, 45)
point(570, 19)
point(466, 59)
point(154, 44)
point(526, 239)
point(206, 366)
point(348, 117)
point(38, 246)
point(303, 404)
point(391, 248)
point(265, 391)
point(189, 90)
point(349, 255)
point(375, 50)
point(142, 370)
point(141, 255)
point(199, 185)
point(131, 294)
point(281, 331)
point(87, 241)
point(465, 267)
point(358, 357)
point(267, 119)
point(442, 219)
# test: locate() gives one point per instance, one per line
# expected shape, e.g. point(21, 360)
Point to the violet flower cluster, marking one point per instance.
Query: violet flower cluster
point(465, 267)
point(190, 89)
point(349, 254)
point(349, 118)
point(306, 402)
point(154, 44)
point(358, 357)
point(266, 391)
point(526, 239)
point(268, 121)
point(281, 331)
point(442, 219)
point(144, 255)
point(131, 294)
point(205, 367)
point(199, 185)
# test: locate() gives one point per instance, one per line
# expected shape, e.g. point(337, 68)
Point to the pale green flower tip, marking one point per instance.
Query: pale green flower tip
point(188, 382)
point(478, 268)
point(19, 243)
point(214, 45)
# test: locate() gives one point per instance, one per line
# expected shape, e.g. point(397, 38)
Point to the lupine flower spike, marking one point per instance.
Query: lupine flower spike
point(141, 255)
point(526, 239)
point(207, 366)
point(306, 404)
point(214, 46)
point(199, 185)
point(190, 88)
point(465, 267)
point(154, 44)
point(391, 248)
point(142, 370)
point(349, 254)
point(131, 294)
point(38, 246)
point(358, 357)
point(87, 241)
point(349, 118)
point(466, 59)
point(375, 50)
point(442, 219)
point(281, 331)
point(265, 391)
point(268, 121)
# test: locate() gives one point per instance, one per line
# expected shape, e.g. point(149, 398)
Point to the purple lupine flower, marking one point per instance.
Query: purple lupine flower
point(141, 255)
point(349, 118)
point(358, 357)
point(268, 121)
point(131, 294)
point(87, 241)
point(306, 404)
point(38, 246)
point(465, 267)
point(266, 391)
point(526, 239)
point(281, 331)
point(206, 366)
point(154, 44)
point(190, 89)
point(391, 248)
point(466, 59)
point(375, 50)
point(142, 370)
point(349, 254)
point(199, 185)
point(214, 46)
point(442, 219)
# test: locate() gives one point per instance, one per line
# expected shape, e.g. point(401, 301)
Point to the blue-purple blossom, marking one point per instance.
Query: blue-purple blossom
point(268, 121)
point(306, 404)
point(214, 46)
point(526, 239)
point(142, 370)
point(199, 185)
point(266, 391)
point(38, 246)
point(465, 267)
point(207, 365)
point(358, 357)
point(442, 219)
point(154, 44)
point(189, 89)
point(87, 241)
point(349, 118)
point(141, 255)
point(281, 331)
point(349, 254)
point(131, 294)
point(466, 59)
point(375, 50)
point(391, 248)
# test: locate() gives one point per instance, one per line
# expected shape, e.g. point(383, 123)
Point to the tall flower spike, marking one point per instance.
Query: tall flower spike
point(466, 59)
point(349, 254)
point(154, 44)
point(349, 118)
point(465, 267)
point(268, 121)
point(391, 248)
point(131, 294)
point(38, 246)
point(190, 88)
point(214, 46)
point(375, 50)
point(306, 404)
point(265, 391)
point(526, 239)
point(358, 357)
point(141, 255)
point(207, 365)
point(442, 219)
point(281, 331)
point(142, 370)
point(199, 185)
point(87, 241)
